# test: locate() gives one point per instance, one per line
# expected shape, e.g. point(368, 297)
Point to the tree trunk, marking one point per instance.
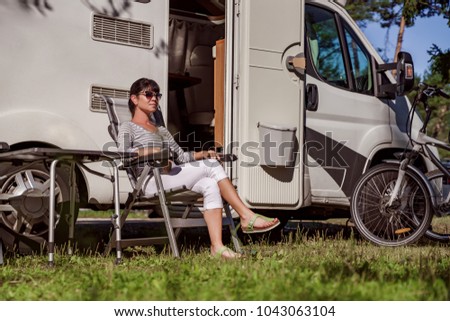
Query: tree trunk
point(401, 32)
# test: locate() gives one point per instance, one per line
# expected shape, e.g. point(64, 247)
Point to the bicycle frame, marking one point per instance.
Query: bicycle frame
point(421, 148)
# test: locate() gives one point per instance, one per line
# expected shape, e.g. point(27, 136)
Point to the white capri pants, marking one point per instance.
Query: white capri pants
point(198, 176)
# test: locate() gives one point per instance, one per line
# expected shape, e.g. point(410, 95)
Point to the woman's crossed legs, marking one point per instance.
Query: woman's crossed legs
point(208, 178)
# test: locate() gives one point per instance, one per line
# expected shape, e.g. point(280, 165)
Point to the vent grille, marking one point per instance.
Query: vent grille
point(278, 190)
point(120, 31)
point(97, 104)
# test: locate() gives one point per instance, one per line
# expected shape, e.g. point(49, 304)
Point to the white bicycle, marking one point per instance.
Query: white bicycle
point(396, 203)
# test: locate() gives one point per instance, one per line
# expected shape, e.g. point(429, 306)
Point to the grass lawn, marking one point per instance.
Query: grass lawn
point(299, 266)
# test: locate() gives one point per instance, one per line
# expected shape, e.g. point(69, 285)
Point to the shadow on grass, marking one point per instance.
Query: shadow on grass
point(93, 236)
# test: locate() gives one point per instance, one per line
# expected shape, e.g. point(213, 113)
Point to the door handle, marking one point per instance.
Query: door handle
point(312, 97)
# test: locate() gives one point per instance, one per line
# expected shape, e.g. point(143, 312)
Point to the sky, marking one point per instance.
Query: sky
point(417, 39)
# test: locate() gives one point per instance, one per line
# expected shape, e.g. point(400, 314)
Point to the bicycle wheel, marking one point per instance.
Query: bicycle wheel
point(440, 224)
point(402, 223)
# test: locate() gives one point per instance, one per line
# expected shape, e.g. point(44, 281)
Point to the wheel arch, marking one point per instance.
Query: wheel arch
point(384, 154)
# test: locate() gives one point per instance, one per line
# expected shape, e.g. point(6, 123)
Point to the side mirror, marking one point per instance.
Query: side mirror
point(405, 73)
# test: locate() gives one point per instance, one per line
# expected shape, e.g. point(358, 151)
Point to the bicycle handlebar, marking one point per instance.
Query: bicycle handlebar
point(425, 91)
point(431, 91)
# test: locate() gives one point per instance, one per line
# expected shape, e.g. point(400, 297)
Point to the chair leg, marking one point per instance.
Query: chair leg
point(165, 211)
point(116, 237)
point(113, 237)
point(169, 229)
point(232, 227)
point(186, 213)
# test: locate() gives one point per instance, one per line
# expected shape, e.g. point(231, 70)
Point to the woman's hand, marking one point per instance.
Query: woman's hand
point(166, 169)
point(211, 154)
point(207, 154)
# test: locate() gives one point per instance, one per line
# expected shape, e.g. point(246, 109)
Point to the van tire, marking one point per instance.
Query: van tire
point(24, 228)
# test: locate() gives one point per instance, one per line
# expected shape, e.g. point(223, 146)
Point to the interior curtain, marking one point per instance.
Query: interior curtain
point(184, 36)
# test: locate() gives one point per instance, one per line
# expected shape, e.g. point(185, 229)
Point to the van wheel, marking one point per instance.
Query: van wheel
point(24, 211)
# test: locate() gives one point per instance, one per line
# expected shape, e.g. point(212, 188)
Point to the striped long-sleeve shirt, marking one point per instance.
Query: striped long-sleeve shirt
point(133, 137)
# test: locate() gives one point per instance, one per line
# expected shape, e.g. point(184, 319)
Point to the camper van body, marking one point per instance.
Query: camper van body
point(311, 89)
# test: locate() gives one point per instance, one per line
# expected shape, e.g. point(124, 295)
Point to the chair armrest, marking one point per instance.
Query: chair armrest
point(158, 159)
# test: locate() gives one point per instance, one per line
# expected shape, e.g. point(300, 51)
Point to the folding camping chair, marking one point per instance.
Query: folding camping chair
point(118, 112)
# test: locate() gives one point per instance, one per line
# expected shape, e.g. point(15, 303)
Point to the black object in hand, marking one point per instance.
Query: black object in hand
point(227, 157)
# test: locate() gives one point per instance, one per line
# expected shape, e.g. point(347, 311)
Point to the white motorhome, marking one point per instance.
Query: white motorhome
point(292, 87)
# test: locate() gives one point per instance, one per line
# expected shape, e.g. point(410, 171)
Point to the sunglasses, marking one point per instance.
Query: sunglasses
point(151, 94)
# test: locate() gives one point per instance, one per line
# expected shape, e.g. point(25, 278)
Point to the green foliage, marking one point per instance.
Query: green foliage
point(439, 75)
point(389, 13)
point(363, 11)
point(440, 62)
point(421, 8)
point(296, 269)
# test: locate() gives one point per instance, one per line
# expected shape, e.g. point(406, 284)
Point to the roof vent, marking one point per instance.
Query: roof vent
point(121, 31)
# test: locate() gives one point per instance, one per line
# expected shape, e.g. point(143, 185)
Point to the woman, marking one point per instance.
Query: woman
point(198, 171)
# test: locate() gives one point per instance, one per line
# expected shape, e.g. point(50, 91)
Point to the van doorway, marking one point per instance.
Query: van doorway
point(196, 30)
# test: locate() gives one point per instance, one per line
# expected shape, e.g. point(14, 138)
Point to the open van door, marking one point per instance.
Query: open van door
point(268, 111)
